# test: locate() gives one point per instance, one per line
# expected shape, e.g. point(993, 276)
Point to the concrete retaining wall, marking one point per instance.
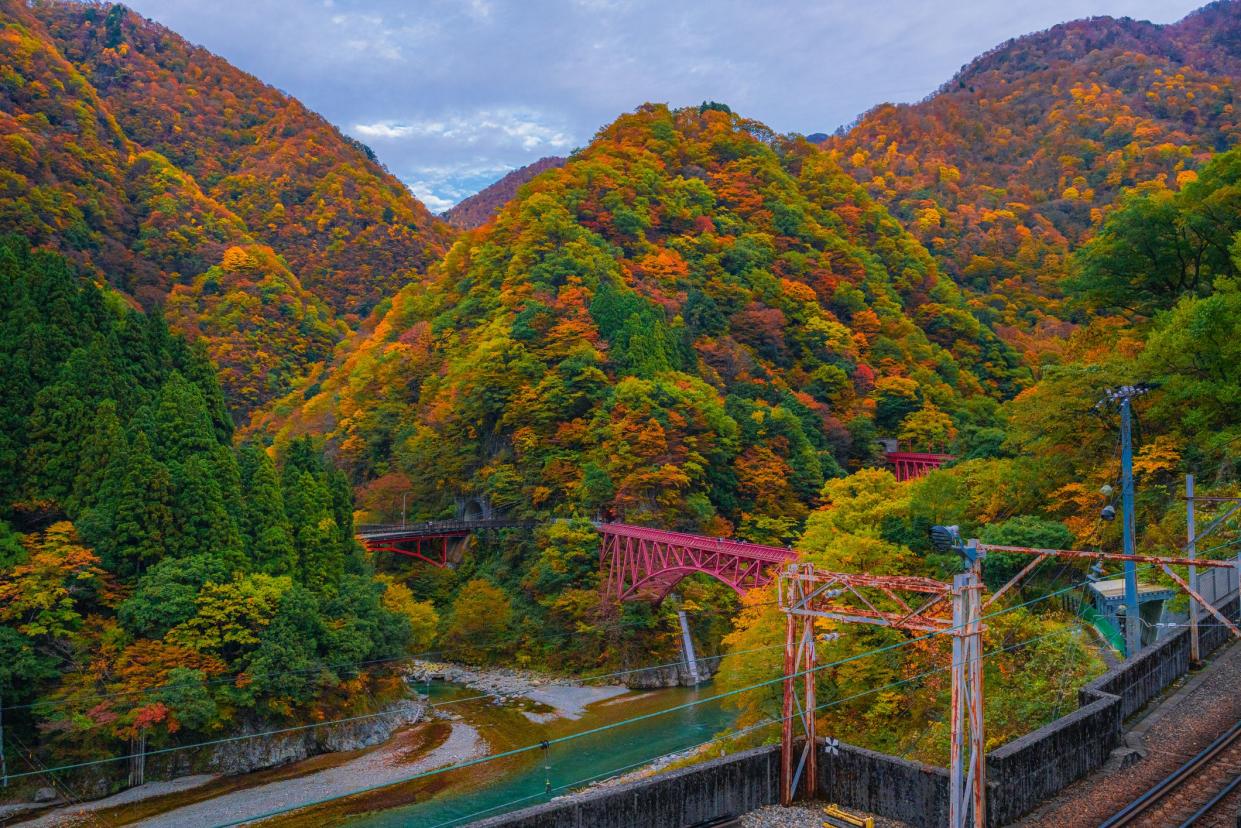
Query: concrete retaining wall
point(729, 786)
point(862, 779)
point(1030, 769)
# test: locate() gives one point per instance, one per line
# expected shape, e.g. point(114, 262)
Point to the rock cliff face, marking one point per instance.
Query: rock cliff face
point(245, 755)
point(671, 676)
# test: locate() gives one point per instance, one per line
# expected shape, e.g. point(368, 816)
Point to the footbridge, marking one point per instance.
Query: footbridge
point(638, 562)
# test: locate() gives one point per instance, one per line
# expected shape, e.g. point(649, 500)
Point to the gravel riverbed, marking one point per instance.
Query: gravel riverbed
point(563, 697)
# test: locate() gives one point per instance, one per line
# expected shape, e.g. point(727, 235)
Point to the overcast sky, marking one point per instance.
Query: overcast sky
point(451, 94)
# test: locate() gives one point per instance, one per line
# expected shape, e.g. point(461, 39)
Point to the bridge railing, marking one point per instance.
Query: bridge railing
point(433, 528)
point(757, 551)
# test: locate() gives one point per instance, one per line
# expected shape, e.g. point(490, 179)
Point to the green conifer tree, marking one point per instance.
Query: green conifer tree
point(182, 423)
point(102, 453)
point(265, 525)
point(142, 517)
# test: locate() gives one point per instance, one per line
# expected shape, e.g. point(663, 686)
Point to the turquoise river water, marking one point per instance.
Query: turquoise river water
point(459, 797)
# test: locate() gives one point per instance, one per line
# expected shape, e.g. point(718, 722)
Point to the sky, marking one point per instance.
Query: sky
point(452, 94)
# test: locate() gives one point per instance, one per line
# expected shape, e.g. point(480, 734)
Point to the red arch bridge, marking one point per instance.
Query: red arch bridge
point(637, 562)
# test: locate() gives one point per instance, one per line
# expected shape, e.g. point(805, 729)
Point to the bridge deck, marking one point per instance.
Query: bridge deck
point(705, 543)
point(433, 529)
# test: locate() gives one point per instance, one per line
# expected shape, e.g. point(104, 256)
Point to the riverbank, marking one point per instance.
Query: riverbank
point(551, 697)
point(468, 714)
point(202, 802)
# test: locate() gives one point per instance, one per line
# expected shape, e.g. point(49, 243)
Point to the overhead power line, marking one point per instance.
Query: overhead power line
point(643, 717)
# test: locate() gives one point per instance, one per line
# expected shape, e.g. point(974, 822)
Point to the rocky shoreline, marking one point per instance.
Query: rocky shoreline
point(512, 683)
point(240, 755)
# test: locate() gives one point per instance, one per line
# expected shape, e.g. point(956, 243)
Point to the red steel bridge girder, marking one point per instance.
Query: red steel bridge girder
point(432, 549)
point(640, 562)
point(908, 465)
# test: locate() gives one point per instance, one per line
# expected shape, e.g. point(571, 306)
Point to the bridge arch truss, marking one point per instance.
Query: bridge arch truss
point(643, 563)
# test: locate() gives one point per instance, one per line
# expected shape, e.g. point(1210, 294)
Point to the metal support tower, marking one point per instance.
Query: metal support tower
point(799, 664)
point(967, 765)
point(1191, 549)
point(900, 602)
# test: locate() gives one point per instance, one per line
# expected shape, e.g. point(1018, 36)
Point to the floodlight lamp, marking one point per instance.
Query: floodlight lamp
point(945, 538)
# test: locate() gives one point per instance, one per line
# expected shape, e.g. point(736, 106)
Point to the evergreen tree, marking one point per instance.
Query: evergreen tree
point(204, 526)
point(309, 507)
point(182, 423)
point(102, 453)
point(55, 435)
point(195, 365)
point(266, 529)
point(142, 518)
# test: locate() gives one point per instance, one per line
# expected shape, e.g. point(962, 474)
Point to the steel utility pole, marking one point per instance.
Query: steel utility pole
point(1191, 550)
point(967, 768)
point(1123, 397)
point(1133, 618)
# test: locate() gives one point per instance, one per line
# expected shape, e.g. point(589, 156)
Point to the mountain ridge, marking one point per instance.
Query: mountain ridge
point(1009, 164)
point(209, 174)
point(479, 208)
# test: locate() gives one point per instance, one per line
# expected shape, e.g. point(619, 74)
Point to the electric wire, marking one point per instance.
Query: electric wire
point(233, 677)
point(643, 717)
point(362, 717)
point(348, 719)
point(733, 734)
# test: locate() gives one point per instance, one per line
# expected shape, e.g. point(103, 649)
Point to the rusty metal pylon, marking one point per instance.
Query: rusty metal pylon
point(900, 602)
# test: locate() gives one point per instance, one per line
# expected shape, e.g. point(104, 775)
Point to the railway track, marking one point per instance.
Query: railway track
point(1189, 794)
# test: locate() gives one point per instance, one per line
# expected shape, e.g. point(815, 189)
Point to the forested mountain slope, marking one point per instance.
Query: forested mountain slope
point(479, 208)
point(693, 322)
point(160, 167)
point(349, 229)
point(1007, 167)
point(164, 580)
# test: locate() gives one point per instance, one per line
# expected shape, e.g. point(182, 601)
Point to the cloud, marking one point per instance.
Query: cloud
point(442, 88)
point(523, 128)
point(441, 186)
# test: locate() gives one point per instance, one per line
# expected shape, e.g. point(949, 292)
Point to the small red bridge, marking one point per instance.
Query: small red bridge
point(907, 465)
point(431, 541)
point(640, 562)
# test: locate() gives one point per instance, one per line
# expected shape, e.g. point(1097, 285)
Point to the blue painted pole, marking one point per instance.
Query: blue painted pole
point(1133, 620)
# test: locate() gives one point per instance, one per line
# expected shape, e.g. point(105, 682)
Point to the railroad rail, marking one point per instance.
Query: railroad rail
point(1172, 802)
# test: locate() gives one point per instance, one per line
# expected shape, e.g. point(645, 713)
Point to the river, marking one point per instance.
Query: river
point(464, 726)
point(457, 797)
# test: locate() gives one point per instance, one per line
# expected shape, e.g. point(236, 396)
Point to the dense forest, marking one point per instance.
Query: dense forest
point(153, 163)
point(1010, 165)
point(1155, 319)
point(693, 323)
point(155, 577)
